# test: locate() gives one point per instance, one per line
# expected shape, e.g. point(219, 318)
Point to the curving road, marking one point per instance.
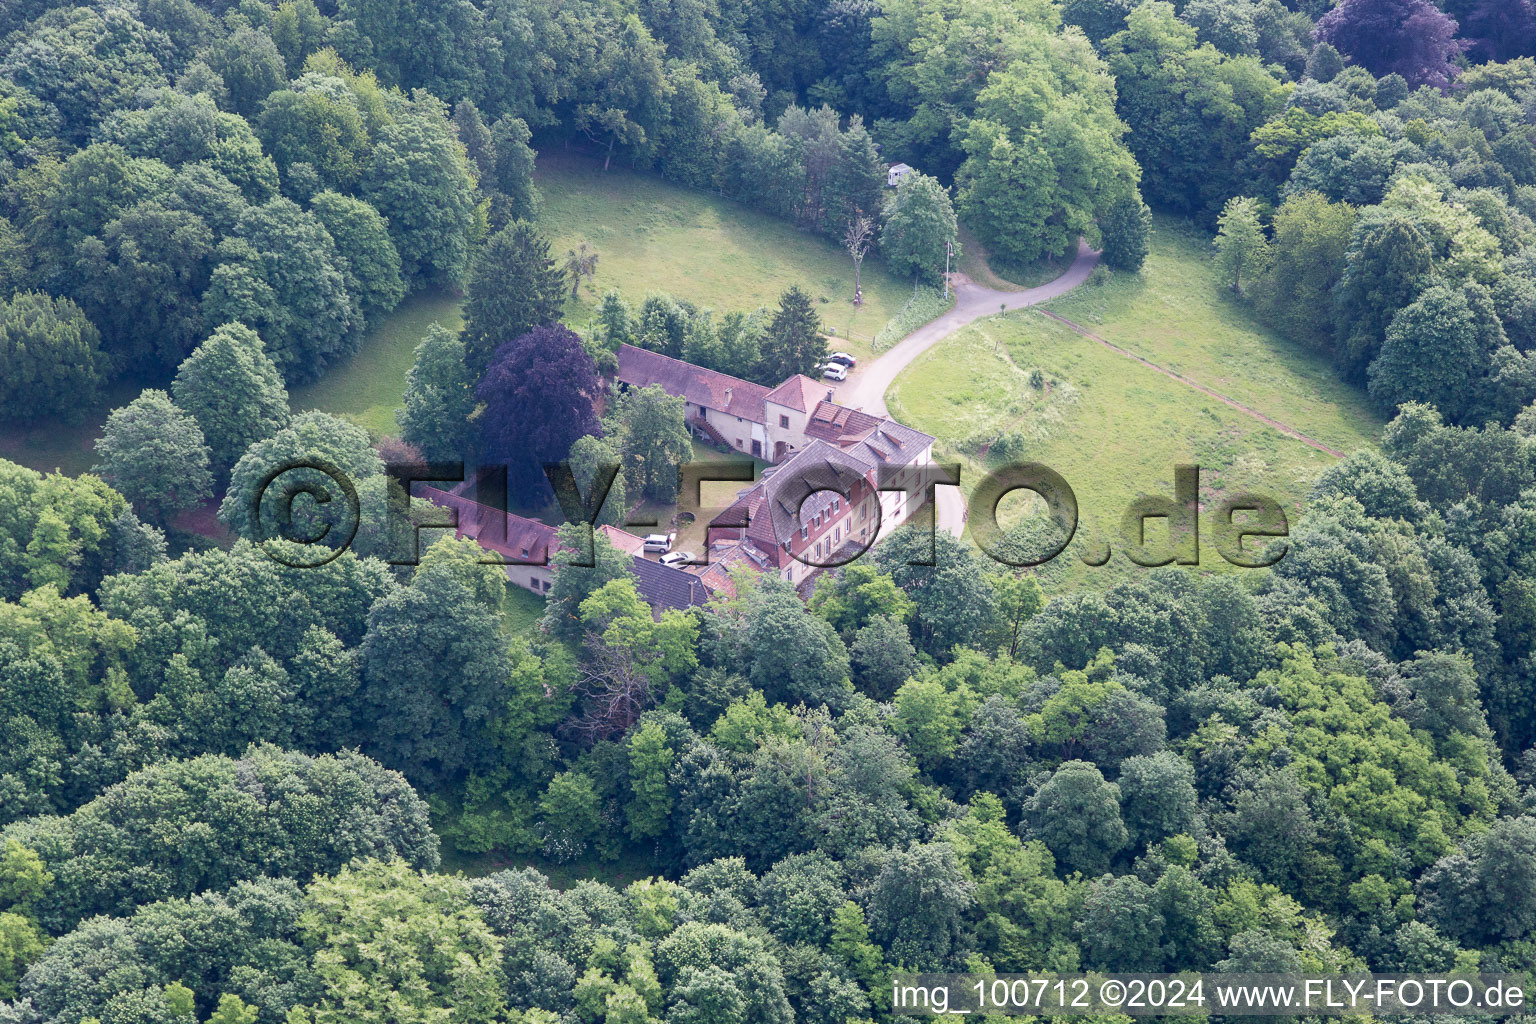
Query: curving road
point(865, 388)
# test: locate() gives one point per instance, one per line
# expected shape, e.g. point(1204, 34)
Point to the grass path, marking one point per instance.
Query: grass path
point(1234, 403)
point(1115, 384)
point(1177, 315)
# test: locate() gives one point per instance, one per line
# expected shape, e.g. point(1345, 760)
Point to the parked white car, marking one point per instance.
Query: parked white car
point(835, 371)
point(842, 357)
point(676, 558)
point(659, 543)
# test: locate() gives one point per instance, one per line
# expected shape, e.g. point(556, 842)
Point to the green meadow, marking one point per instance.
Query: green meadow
point(1116, 428)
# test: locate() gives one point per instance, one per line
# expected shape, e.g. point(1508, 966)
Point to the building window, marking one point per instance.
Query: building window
point(805, 531)
point(784, 421)
point(738, 442)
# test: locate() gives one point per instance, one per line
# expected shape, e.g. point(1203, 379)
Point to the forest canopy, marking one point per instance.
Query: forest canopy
point(232, 790)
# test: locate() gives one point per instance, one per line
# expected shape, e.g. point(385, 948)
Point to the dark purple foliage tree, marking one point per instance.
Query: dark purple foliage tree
point(1498, 30)
point(1413, 38)
point(540, 393)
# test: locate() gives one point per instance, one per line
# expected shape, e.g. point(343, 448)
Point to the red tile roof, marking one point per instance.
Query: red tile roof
point(515, 538)
point(839, 424)
point(622, 539)
point(641, 368)
point(799, 393)
point(717, 574)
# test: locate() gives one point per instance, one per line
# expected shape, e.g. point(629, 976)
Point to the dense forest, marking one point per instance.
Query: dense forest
point(232, 790)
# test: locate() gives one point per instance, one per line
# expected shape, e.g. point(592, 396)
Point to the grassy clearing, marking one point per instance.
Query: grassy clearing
point(367, 387)
point(67, 446)
point(1175, 314)
point(1116, 428)
point(650, 235)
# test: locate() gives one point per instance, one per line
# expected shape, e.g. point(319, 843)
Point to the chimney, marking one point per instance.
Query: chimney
point(728, 396)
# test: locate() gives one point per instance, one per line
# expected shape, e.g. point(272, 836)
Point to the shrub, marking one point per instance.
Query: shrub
point(925, 305)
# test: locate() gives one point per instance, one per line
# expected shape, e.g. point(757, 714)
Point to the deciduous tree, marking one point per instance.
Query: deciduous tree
point(155, 456)
point(394, 944)
point(280, 275)
point(317, 122)
point(1386, 268)
point(919, 226)
point(1412, 38)
point(1126, 226)
point(366, 257)
point(435, 675)
point(1311, 238)
point(1157, 797)
point(420, 181)
point(918, 904)
point(50, 359)
point(1242, 251)
point(310, 437)
point(1077, 814)
point(540, 393)
point(233, 391)
point(1435, 352)
point(653, 440)
point(439, 397)
point(573, 583)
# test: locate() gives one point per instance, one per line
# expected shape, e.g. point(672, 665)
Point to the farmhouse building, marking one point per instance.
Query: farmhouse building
point(840, 480)
point(725, 410)
point(832, 500)
point(524, 544)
